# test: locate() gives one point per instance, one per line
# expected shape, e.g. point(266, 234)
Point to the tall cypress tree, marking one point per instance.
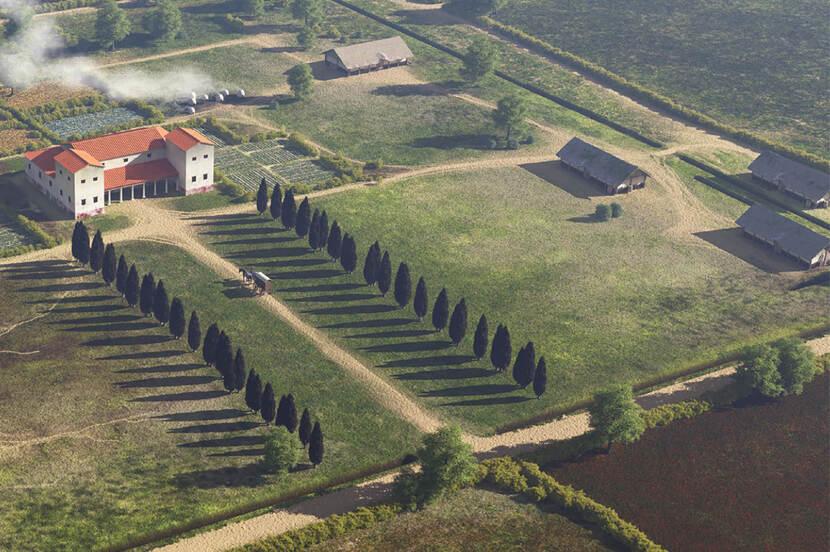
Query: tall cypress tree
point(289, 210)
point(96, 252)
point(385, 274)
point(305, 428)
point(315, 447)
point(267, 405)
point(253, 391)
point(276, 202)
point(177, 319)
point(83, 244)
point(224, 358)
point(520, 367)
point(371, 265)
point(540, 379)
point(481, 338)
point(147, 294)
point(262, 197)
point(458, 322)
point(501, 352)
point(290, 414)
point(421, 301)
point(210, 345)
point(194, 332)
point(314, 230)
point(76, 239)
point(131, 287)
point(282, 411)
point(323, 231)
point(239, 371)
point(108, 266)
point(303, 218)
point(348, 254)
point(441, 311)
point(335, 241)
point(121, 275)
point(161, 305)
point(403, 285)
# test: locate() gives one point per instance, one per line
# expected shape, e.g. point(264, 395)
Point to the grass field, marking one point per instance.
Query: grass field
point(474, 520)
point(140, 434)
point(755, 64)
point(624, 300)
point(752, 478)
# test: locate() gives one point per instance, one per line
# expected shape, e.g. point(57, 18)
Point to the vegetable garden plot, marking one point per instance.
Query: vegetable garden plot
point(229, 158)
point(274, 156)
point(11, 234)
point(250, 176)
point(303, 172)
point(90, 122)
point(212, 137)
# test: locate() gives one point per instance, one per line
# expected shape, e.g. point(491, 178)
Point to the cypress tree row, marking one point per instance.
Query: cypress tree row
point(282, 412)
point(314, 230)
point(108, 265)
point(210, 345)
point(121, 276)
point(385, 274)
point(348, 254)
point(239, 371)
point(323, 231)
point(540, 379)
point(96, 252)
point(289, 210)
point(229, 376)
point(315, 447)
point(335, 242)
point(276, 202)
point(161, 305)
point(76, 239)
point(371, 266)
point(147, 294)
point(403, 285)
point(262, 197)
point(224, 357)
point(303, 218)
point(290, 414)
point(441, 311)
point(305, 428)
point(421, 301)
point(83, 244)
point(525, 365)
point(458, 322)
point(253, 391)
point(194, 332)
point(177, 319)
point(481, 338)
point(267, 405)
point(501, 351)
point(131, 287)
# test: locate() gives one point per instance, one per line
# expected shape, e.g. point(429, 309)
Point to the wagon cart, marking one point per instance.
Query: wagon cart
point(262, 282)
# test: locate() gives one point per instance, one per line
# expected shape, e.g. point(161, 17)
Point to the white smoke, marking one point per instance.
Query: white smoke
point(37, 53)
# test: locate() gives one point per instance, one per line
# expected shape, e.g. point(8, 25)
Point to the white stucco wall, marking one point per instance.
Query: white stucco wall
point(195, 167)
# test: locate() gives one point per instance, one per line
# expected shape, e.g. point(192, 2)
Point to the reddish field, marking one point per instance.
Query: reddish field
point(748, 479)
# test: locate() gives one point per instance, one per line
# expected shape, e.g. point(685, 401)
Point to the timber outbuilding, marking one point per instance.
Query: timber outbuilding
point(614, 174)
point(807, 184)
point(786, 236)
point(369, 56)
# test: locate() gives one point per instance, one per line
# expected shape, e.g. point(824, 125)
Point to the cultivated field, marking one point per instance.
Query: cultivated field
point(91, 122)
point(752, 478)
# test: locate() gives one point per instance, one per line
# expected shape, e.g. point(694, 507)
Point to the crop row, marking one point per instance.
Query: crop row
point(303, 172)
point(274, 156)
point(90, 122)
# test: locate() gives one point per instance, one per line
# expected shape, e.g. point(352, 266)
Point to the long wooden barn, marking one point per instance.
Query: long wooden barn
point(369, 56)
point(614, 174)
point(807, 184)
point(786, 236)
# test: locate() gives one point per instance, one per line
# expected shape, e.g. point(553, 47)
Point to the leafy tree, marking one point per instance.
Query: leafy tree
point(479, 60)
point(96, 253)
point(239, 371)
point(525, 365)
point(210, 344)
point(289, 210)
point(253, 391)
point(335, 241)
point(281, 452)
point(315, 446)
point(615, 416)
point(441, 311)
point(253, 8)
point(194, 332)
point(447, 463)
point(111, 25)
point(421, 301)
point(371, 265)
point(276, 202)
point(305, 427)
point(323, 231)
point(385, 274)
point(290, 421)
point(224, 360)
point(267, 405)
point(164, 21)
point(403, 285)
point(458, 322)
point(108, 266)
point(501, 352)
point(301, 81)
point(147, 294)
point(602, 212)
point(616, 210)
point(177, 319)
point(758, 371)
point(510, 113)
point(83, 244)
point(161, 305)
point(310, 12)
point(121, 275)
point(131, 287)
point(20, 17)
point(481, 338)
point(348, 254)
point(306, 38)
point(796, 364)
point(314, 230)
point(474, 8)
point(540, 379)
point(303, 218)
point(262, 197)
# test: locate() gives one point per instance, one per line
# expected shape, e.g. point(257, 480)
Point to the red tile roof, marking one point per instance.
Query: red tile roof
point(75, 160)
point(186, 138)
point(138, 173)
point(44, 159)
point(129, 142)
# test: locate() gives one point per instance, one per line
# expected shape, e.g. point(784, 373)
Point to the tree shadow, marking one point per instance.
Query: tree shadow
point(116, 318)
point(222, 427)
point(375, 323)
point(226, 220)
point(75, 286)
point(161, 369)
point(184, 396)
point(246, 476)
point(272, 252)
point(291, 263)
point(391, 334)
point(51, 274)
point(145, 354)
point(443, 360)
point(89, 308)
point(259, 230)
point(249, 241)
point(307, 274)
point(202, 415)
point(446, 374)
point(114, 327)
point(402, 90)
point(77, 299)
point(238, 452)
point(353, 309)
point(322, 288)
point(470, 390)
point(586, 219)
point(408, 347)
point(488, 401)
point(343, 297)
point(430, 17)
point(235, 441)
point(127, 341)
point(554, 172)
point(466, 141)
point(170, 381)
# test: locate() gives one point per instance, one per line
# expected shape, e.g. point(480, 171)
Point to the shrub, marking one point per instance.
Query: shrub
point(226, 186)
point(602, 212)
point(300, 144)
point(616, 210)
point(513, 144)
point(668, 413)
point(233, 24)
point(281, 451)
point(374, 165)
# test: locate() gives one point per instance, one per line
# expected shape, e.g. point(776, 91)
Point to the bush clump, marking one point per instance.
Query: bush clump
point(602, 212)
point(301, 145)
point(616, 210)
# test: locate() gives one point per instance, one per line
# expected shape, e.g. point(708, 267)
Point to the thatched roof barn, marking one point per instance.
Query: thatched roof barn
point(786, 236)
point(612, 172)
point(806, 183)
point(370, 56)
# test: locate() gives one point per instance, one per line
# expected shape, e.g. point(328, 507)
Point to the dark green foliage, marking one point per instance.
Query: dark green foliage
point(348, 254)
point(306, 38)
point(161, 305)
point(289, 210)
point(96, 252)
point(147, 294)
point(253, 391)
point(616, 210)
point(76, 232)
point(371, 265)
point(479, 59)
point(210, 345)
point(525, 365)
point(314, 231)
point(224, 359)
point(238, 370)
point(323, 232)
point(267, 405)
point(441, 310)
point(194, 332)
point(301, 81)
point(164, 21)
point(501, 351)
point(315, 446)
point(774, 371)
point(615, 416)
point(177, 319)
point(111, 24)
point(108, 266)
point(280, 452)
point(282, 411)
point(253, 8)
point(540, 379)
point(303, 218)
point(305, 427)
point(290, 421)
point(385, 274)
point(403, 285)
point(83, 248)
point(481, 338)
point(510, 113)
point(458, 322)
point(131, 287)
point(121, 275)
point(262, 197)
point(602, 212)
point(796, 364)
point(421, 302)
point(335, 241)
point(276, 202)
point(310, 12)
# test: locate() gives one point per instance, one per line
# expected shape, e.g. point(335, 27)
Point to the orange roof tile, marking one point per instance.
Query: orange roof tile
point(138, 173)
point(129, 142)
point(186, 138)
point(44, 159)
point(75, 160)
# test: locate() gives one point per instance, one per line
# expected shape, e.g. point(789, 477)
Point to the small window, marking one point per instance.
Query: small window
point(95, 199)
point(83, 202)
point(61, 192)
point(70, 199)
point(60, 171)
point(149, 154)
point(193, 178)
point(95, 179)
point(39, 174)
point(30, 165)
point(50, 183)
point(83, 181)
point(126, 159)
point(194, 158)
point(204, 176)
point(205, 156)
point(104, 163)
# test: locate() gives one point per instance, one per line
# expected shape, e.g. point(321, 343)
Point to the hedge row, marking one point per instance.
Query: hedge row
point(64, 5)
point(655, 98)
point(41, 238)
point(299, 143)
point(668, 413)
